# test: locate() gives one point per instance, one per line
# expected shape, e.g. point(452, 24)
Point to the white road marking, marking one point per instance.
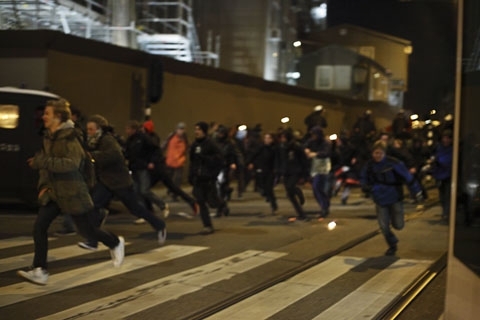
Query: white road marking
point(17, 241)
point(376, 293)
point(278, 297)
point(148, 295)
point(23, 260)
point(58, 282)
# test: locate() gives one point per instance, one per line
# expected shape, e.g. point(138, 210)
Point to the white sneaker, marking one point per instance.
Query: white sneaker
point(87, 245)
point(36, 275)
point(118, 253)
point(162, 236)
point(166, 211)
point(139, 221)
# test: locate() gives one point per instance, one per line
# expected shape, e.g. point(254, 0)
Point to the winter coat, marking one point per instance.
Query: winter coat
point(175, 151)
point(384, 180)
point(206, 160)
point(230, 151)
point(442, 168)
point(110, 166)
point(321, 163)
point(60, 165)
point(140, 150)
point(291, 160)
point(315, 119)
point(264, 159)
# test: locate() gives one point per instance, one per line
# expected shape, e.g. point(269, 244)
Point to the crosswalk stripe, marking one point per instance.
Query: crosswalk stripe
point(16, 242)
point(270, 301)
point(148, 295)
point(58, 282)
point(376, 293)
point(56, 254)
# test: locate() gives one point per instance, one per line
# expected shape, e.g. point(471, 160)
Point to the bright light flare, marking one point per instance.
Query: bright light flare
point(285, 120)
point(331, 225)
point(333, 137)
point(242, 127)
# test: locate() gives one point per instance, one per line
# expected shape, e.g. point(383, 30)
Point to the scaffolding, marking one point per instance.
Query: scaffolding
point(158, 27)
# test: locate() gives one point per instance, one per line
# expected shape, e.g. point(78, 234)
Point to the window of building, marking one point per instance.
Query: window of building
point(342, 77)
point(323, 77)
point(329, 77)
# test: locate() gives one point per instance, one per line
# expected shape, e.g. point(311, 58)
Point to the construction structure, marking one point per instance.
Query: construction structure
point(158, 27)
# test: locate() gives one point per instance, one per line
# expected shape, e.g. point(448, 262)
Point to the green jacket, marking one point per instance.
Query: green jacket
point(60, 167)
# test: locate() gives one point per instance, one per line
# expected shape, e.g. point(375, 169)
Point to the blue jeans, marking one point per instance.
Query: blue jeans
point(390, 214)
point(47, 213)
point(321, 191)
point(143, 181)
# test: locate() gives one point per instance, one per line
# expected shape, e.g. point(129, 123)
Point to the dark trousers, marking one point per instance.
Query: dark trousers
point(83, 222)
point(206, 194)
point(444, 193)
point(161, 174)
point(176, 175)
point(102, 196)
point(294, 193)
point(267, 182)
point(143, 184)
point(223, 186)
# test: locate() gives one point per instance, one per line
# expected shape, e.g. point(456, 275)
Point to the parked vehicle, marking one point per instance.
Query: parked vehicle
point(20, 137)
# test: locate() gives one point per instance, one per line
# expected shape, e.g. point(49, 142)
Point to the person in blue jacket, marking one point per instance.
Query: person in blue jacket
point(383, 177)
point(442, 170)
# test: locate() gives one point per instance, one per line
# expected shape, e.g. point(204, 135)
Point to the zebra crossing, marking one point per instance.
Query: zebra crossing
point(378, 287)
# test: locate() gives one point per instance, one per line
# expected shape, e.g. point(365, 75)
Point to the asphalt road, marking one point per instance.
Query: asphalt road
point(251, 248)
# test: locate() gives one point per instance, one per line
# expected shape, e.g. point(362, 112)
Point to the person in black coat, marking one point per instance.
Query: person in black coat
point(263, 162)
point(292, 167)
point(233, 160)
point(206, 161)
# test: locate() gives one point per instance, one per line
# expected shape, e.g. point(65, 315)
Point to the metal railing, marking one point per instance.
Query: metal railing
point(161, 27)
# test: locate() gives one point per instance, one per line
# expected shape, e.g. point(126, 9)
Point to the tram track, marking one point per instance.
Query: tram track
point(389, 312)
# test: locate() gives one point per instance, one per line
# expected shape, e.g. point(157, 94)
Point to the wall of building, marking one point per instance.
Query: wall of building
point(389, 52)
point(98, 86)
point(101, 78)
point(241, 25)
point(28, 71)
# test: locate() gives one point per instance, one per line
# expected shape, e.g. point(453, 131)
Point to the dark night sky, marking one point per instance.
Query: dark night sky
point(431, 27)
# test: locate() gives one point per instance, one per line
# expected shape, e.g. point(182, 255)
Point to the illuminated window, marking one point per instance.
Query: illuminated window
point(333, 77)
point(9, 115)
point(324, 77)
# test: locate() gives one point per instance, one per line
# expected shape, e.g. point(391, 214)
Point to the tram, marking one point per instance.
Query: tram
point(20, 137)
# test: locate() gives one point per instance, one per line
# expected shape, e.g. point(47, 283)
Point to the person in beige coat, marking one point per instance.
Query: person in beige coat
point(63, 189)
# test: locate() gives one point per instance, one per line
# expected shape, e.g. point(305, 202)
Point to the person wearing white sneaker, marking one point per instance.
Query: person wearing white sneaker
point(62, 188)
point(36, 275)
point(113, 178)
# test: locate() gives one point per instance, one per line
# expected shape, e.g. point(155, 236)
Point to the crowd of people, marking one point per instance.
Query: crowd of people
point(378, 162)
